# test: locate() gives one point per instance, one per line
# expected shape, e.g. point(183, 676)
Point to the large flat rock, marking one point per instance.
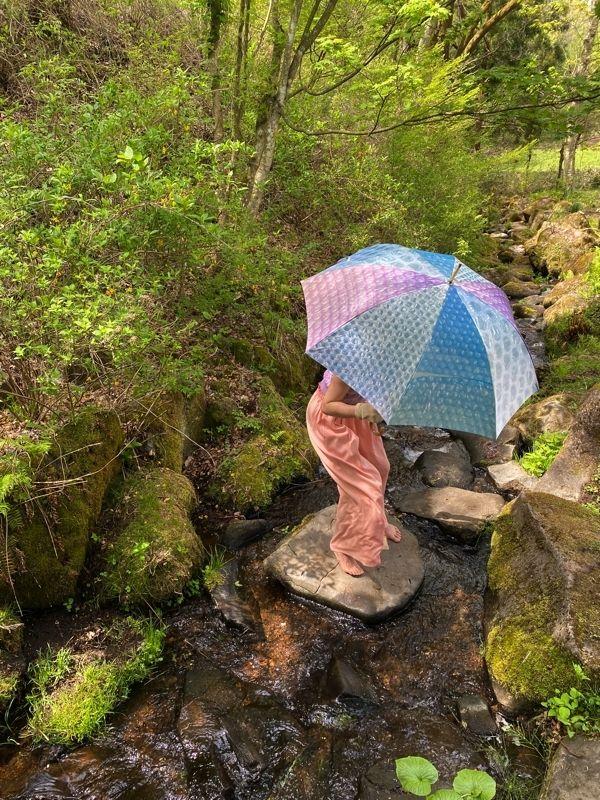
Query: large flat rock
point(306, 566)
point(574, 772)
point(460, 512)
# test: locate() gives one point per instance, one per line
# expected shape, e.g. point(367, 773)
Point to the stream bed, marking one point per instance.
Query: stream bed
point(311, 704)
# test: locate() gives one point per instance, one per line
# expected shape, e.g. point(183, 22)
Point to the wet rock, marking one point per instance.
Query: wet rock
point(516, 289)
point(574, 771)
point(511, 477)
point(483, 451)
point(534, 339)
point(305, 565)
point(578, 461)
point(461, 513)
point(240, 532)
point(441, 469)
point(475, 715)
point(344, 683)
point(549, 415)
point(230, 602)
point(542, 609)
point(381, 783)
point(498, 235)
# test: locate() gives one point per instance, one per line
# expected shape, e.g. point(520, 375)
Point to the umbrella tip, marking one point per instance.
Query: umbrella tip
point(454, 272)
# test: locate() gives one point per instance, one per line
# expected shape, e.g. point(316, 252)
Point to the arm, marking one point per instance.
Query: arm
point(332, 402)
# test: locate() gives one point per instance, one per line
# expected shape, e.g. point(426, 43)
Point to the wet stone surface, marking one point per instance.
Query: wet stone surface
point(305, 564)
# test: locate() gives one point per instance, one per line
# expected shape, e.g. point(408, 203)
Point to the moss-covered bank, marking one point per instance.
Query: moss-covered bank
point(543, 599)
point(53, 534)
point(74, 690)
point(152, 549)
point(277, 449)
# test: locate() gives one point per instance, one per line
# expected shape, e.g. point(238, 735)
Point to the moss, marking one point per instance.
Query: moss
point(278, 451)
point(576, 370)
point(576, 317)
point(73, 693)
point(11, 663)
point(154, 549)
point(54, 534)
point(543, 607)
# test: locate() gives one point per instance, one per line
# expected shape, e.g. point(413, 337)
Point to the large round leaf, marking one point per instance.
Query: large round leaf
point(474, 784)
point(445, 794)
point(416, 775)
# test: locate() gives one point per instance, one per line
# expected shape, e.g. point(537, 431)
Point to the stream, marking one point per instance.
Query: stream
point(308, 703)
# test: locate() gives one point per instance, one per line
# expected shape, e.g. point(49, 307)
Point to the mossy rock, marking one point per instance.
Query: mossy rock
point(153, 550)
point(543, 599)
point(572, 316)
point(74, 689)
point(51, 542)
point(560, 242)
point(12, 664)
point(278, 451)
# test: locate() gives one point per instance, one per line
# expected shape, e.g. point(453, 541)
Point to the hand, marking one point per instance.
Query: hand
point(366, 411)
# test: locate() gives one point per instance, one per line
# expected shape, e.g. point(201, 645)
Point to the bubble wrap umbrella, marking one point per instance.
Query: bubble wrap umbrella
point(422, 337)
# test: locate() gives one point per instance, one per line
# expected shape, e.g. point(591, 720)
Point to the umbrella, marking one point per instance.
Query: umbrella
point(421, 336)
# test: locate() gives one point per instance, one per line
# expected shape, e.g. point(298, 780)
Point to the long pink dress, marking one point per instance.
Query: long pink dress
point(355, 458)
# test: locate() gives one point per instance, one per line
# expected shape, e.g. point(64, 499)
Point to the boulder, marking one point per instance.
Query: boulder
point(439, 468)
point(523, 310)
point(510, 477)
point(516, 289)
point(578, 461)
point(519, 232)
point(542, 604)
point(550, 415)
point(476, 716)
point(483, 451)
point(239, 532)
point(51, 540)
point(305, 564)
point(152, 549)
point(558, 243)
point(574, 770)
point(459, 512)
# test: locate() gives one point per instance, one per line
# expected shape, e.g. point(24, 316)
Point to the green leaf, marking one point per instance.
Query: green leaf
point(416, 775)
point(445, 794)
point(127, 154)
point(475, 784)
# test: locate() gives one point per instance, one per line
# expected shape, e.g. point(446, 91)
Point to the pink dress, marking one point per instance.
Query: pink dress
point(355, 458)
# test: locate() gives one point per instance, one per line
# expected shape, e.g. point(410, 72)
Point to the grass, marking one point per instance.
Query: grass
point(71, 694)
point(545, 159)
point(512, 785)
point(212, 572)
point(545, 449)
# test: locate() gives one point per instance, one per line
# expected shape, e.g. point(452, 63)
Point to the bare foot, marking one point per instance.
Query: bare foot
point(393, 534)
point(349, 565)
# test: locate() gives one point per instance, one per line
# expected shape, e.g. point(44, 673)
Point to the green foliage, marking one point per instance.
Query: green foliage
point(71, 695)
point(212, 571)
point(417, 776)
point(544, 450)
point(18, 458)
point(578, 709)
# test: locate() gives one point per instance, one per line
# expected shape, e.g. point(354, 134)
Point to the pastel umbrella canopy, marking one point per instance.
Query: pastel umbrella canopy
point(422, 337)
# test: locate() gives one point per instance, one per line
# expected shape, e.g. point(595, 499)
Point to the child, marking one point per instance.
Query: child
point(343, 430)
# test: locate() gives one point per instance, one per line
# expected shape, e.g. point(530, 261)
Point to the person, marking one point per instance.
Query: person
point(343, 429)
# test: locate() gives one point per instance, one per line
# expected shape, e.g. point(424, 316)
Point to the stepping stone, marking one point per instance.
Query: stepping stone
point(345, 684)
point(441, 469)
point(305, 564)
point(485, 451)
point(462, 513)
point(511, 477)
